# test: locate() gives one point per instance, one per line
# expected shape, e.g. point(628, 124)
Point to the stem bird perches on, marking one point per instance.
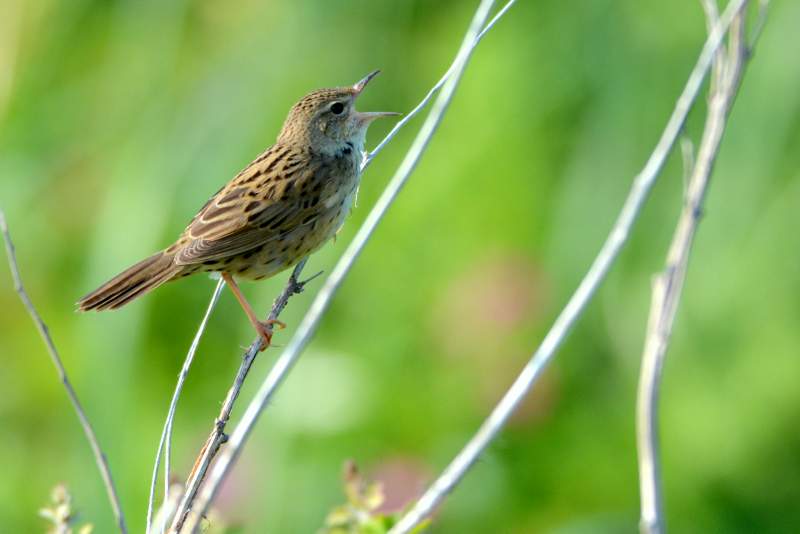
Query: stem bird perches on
point(576, 305)
point(91, 437)
point(668, 285)
point(218, 436)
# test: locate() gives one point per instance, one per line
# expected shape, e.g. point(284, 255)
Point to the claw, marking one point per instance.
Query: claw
point(264, 330)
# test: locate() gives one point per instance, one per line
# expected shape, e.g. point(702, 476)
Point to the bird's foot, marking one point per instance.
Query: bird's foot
point(264, 329)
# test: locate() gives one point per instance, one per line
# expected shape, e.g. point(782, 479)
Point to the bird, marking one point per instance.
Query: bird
point(280, 208)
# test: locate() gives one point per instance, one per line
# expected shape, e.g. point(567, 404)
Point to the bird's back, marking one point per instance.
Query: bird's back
point(280, 208)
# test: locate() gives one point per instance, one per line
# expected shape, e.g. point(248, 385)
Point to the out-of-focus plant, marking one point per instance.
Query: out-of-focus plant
point(362, 513)
point(61, 515)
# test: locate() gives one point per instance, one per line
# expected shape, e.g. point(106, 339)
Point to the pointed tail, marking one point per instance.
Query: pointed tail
point(133, 282)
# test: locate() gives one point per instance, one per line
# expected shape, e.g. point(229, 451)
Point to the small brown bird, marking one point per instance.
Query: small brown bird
point(278, 210)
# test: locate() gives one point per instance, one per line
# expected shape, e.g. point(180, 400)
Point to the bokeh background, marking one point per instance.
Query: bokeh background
point(119, 119)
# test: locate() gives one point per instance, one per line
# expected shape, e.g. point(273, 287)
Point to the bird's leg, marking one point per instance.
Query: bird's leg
point(264, 328)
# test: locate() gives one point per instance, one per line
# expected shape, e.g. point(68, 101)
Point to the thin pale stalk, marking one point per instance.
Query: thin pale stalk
point(88, 430)
point(368, 157)
point(165, 442)
point(168, 507)
point(576, 305)
point(668, 286)
point(312, 319)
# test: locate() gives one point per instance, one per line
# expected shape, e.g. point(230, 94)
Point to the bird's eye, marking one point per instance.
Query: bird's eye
point(337, 108)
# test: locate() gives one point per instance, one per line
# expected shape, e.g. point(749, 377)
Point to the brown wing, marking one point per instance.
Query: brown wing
point(265, 201)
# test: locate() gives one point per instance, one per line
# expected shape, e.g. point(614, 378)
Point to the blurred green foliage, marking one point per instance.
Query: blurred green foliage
point(119, 119)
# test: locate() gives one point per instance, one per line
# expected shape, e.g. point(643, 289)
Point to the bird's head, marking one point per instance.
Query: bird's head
point(326, 120)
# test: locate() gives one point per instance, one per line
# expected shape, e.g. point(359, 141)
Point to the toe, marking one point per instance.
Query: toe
point(274, 322)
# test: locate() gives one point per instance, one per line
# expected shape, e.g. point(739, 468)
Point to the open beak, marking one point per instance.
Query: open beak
point(369, 116)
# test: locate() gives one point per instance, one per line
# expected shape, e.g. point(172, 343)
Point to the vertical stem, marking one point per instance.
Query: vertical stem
point(668, 286)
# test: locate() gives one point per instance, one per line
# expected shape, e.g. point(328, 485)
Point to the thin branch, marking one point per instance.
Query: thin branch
point(763, 8)
point(217, 436)
point(312, 319)
point(687, 157)
point(165, 441)
point(167, 508)
point(712, 19)
point(99, 455)
point(577, 304)
point(438, 85)
point(668, 286)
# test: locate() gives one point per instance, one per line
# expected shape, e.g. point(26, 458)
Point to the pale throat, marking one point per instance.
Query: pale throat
point(351, 146)
point(351, 149)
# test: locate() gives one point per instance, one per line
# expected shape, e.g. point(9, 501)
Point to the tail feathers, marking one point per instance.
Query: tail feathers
point(135, 281)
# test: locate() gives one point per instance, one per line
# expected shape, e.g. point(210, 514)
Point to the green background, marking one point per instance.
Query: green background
point(119, 119)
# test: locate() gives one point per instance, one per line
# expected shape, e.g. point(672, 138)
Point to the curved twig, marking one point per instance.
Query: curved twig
point(165, 441)
point(368, 157)
point(91, 437)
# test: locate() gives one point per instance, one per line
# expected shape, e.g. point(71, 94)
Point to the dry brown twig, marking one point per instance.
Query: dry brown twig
point(217, 436)
point(44, 332)
point(668, 285)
